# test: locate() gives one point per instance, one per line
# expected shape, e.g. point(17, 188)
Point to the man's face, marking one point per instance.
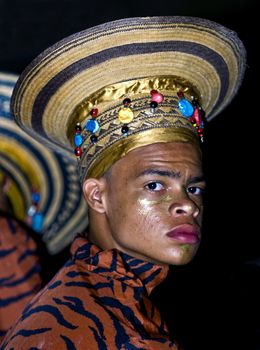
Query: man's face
point(154, 203)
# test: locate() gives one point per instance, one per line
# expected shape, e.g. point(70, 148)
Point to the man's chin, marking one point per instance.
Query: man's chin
point(184, 255)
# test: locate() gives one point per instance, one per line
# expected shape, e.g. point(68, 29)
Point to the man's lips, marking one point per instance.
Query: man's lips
point(185, 234)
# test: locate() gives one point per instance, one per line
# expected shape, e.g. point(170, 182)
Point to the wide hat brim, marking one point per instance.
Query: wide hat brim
point(210, 56)
point(30, 166)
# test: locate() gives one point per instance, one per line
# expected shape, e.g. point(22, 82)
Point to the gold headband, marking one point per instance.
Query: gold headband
point(116, 151)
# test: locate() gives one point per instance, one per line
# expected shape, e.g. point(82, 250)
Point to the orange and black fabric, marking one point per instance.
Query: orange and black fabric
point(98, 300)
point(20, 271)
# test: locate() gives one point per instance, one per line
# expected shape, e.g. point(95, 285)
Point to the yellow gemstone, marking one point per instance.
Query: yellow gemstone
point(125, 115)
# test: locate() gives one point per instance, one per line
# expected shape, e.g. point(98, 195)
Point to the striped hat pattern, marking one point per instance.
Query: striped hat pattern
point(99, 68)
point(32, 168)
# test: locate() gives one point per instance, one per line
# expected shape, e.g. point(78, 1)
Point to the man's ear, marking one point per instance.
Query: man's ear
point(94, 191)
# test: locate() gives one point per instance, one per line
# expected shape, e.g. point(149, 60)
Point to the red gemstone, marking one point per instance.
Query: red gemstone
point(196, 115)
point(94, 112)
point(153, 92)
point(157, 97)
point(180, 94)
point(78, 151)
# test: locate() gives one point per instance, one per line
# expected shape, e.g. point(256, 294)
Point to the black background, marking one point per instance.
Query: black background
point(212, 286)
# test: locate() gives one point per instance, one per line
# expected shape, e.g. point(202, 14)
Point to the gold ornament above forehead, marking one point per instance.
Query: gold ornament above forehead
point(119, 118)
point(114, 95)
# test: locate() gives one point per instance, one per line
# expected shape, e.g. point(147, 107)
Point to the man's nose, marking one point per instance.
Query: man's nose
point(184, 206)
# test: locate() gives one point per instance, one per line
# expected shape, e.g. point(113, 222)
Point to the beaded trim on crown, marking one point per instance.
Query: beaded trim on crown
point(34, 216)
point(175, 105)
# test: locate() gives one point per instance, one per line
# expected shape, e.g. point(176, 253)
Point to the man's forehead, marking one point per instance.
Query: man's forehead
point(162, 151)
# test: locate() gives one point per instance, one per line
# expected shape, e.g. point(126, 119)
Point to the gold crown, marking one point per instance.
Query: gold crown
point(119, 118)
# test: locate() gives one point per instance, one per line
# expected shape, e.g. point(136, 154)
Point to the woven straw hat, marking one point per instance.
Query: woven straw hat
point(99, 67)
point(31, 167)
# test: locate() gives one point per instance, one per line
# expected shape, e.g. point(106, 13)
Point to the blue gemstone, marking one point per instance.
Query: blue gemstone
point(186, 108)
point(37, 222)
point(36, 197)
point(92, 126)
point(78, 140)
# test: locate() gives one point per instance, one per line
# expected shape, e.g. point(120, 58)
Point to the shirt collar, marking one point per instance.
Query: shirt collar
point(115, 264)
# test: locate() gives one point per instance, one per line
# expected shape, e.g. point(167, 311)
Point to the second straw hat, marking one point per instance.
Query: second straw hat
point(34, 171)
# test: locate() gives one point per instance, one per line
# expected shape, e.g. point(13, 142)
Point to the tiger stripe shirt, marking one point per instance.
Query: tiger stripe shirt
point(20, 271)
point(98, 300)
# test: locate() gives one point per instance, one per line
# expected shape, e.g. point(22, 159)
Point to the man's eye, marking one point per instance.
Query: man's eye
point(154, 186)
point(195, 190)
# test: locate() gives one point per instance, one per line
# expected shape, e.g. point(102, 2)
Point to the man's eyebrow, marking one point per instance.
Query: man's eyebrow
point(171, 174)
point(168, 173)
point(196, 179)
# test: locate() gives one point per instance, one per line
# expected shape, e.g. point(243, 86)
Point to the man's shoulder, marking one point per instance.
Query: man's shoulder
point(62, 313)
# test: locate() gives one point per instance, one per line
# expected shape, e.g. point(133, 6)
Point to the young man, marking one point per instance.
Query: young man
point(131, 97)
